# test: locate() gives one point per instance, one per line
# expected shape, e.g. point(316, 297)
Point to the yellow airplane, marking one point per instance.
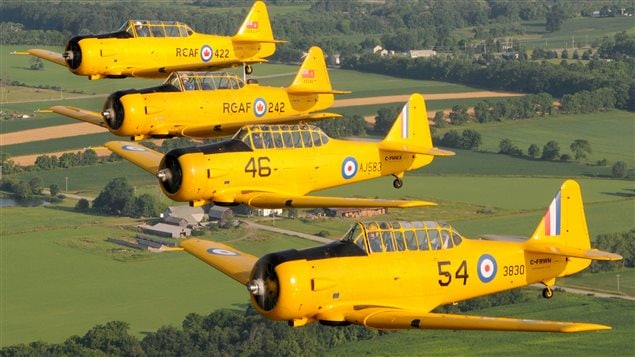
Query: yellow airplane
point(153, 49)
point(209, 104)
point(391, 275)
point(271, 166)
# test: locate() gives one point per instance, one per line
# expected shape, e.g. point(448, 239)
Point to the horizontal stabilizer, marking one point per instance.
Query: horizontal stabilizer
point(204, 131)
point(79, 114)
point(305, 91)
point(399, 319)
point(275, 200)
point(51, 56)
point(231, 262)
point(554, 249)
point(139, 155)
point(410, 148)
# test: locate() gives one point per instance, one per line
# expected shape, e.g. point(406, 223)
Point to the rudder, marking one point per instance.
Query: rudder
point(564, 222)
point(313, 77)
point(411, 131)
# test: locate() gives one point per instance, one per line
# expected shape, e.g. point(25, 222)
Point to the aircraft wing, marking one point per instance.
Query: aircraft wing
point(566, 251)
point(278, 200)
point(228, 260)
point(139, 155)
point(79, 114)
point(382, 318)
point(54, 57)
point(203, 131)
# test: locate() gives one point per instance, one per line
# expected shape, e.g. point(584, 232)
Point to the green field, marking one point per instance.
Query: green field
point(610, 134)
point(60, 278)
point(585, 31)
point(619, 314)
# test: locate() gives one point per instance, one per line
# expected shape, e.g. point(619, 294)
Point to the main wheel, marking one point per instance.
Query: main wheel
point(398, 183)
point(249, 69)
point(547, 293)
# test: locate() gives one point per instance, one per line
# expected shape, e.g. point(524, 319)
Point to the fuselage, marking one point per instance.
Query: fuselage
point(288, 159)
point(414, 266)
point(162, 45)
point(215, 99)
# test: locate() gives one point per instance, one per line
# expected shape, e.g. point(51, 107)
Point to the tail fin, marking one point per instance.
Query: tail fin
point(256, 27)
point(411, 131)
point(563, 231)
point(313, 77)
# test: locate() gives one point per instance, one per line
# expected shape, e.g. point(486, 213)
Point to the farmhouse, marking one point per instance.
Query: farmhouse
point(355, 212)
point(167, 230)
point(183, 215)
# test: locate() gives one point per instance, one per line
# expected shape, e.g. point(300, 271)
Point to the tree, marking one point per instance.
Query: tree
point(459, 115)
point(82, 205)
point(112, 338)
point(54, 189)
point(143, 206)
point(551, 151)
point(580, 148)
point(506, 147)
point(439, 119)
point(533, 151)
point(470, 140)
point(384, 119)
point(115, 196)
point(36, 185)
point(555, 18)
point(619, 169)
point(451, 139)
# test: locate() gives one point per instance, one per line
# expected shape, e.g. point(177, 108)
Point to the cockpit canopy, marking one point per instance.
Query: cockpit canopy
point(398, 236)
point(199, 80)
point(282, 136)
point(145, 28)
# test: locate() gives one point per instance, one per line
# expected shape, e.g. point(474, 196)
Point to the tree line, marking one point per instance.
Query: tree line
point(397, 25)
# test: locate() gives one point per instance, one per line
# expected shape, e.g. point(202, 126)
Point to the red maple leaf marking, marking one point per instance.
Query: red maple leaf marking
point(206, 52)
point(260, 106)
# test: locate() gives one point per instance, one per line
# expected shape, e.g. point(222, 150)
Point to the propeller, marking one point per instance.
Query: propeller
point(113, 111)
point(170, 173)
point(73, 53)
point(264, 284)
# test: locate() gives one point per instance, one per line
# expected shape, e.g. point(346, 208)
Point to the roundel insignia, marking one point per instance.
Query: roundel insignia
point(349, 167)
point(260, 107)
point(487, 268)
point(206, 53)
point(220, 251)
point(134, 148)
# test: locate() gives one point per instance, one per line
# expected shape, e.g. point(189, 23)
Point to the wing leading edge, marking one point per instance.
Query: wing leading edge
point(233, 263)
point(277, 200)
point(139, 155)
point(381, 318)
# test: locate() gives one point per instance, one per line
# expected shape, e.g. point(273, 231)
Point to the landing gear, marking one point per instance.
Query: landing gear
point(398, 183)
point(249, 69)
point(547, 293)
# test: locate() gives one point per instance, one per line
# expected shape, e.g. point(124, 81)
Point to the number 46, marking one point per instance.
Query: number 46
point(461, 273)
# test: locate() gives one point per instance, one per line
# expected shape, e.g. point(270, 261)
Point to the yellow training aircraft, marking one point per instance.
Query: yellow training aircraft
point(208, 104)
point(271, 166)
point(391, 275)
point(153, 49)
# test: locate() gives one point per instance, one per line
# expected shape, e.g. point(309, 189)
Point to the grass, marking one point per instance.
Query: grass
point(610, 134)
point(563, 307)
point(59, 277)
point(583, 30)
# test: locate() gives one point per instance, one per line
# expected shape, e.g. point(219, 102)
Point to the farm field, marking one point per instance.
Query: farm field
point(60, 277)
point(610, 134)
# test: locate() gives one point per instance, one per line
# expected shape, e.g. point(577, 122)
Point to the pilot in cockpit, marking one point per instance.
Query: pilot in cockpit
point(142, 31)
